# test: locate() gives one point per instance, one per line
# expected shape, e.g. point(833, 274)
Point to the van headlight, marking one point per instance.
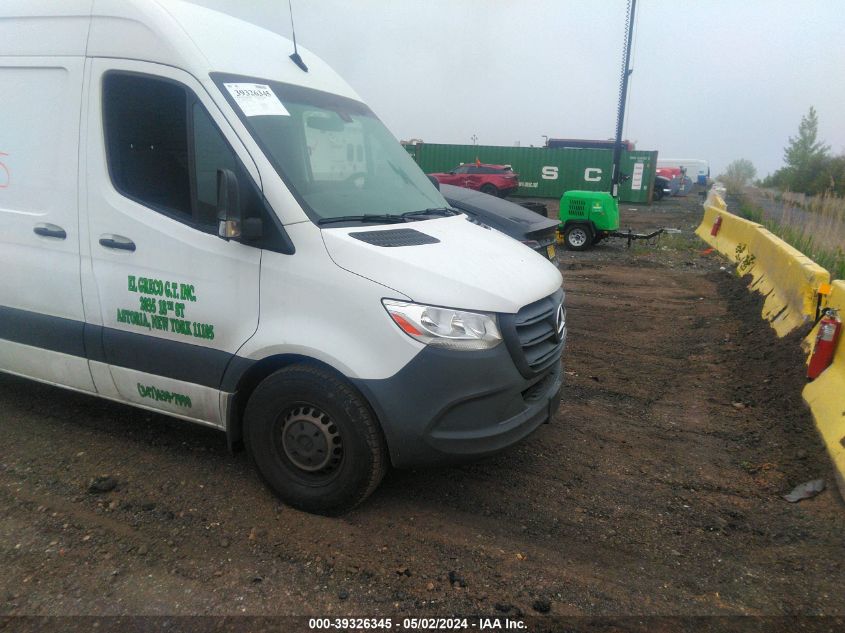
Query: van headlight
point(444, 327)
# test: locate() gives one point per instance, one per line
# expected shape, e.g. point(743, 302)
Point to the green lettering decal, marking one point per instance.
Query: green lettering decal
point(187, 293)
point(180, 327)
point(133, 318)
point(159, 323)
point(162, 306)
point(162, 395)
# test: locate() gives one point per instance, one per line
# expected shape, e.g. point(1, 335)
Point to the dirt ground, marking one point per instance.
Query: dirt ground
point(656, 491)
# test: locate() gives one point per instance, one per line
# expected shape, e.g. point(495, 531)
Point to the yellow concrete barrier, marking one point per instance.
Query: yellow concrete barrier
point(788, 279)
point(826, 394)
point(790, 282)
point(732, 232)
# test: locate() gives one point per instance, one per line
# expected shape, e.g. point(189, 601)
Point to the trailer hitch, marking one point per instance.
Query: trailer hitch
point(631, 236)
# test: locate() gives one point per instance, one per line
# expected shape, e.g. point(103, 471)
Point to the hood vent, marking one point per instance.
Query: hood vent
point(394, 237)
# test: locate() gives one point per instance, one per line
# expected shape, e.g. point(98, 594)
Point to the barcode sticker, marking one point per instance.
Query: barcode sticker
point(256, 100)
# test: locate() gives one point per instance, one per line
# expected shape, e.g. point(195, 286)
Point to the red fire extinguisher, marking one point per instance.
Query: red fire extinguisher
point(716, 226)
point(828, 335)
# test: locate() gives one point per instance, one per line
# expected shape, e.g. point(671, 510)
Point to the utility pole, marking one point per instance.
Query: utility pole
point(623, 96)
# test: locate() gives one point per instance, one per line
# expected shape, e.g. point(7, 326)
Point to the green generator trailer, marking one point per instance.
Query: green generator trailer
point(588, 217)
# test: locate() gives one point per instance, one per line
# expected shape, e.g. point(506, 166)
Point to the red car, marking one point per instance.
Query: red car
point(495, 180)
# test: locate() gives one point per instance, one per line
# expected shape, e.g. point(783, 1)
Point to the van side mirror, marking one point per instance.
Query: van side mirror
point(228, 205)
point(252, 229)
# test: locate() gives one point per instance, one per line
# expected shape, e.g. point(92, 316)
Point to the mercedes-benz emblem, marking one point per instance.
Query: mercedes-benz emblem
point(560, 322)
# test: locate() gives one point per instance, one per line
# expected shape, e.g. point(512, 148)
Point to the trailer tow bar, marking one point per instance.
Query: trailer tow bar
point(631, 236)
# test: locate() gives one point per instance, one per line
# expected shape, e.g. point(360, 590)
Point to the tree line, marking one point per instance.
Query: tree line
point(808, 168)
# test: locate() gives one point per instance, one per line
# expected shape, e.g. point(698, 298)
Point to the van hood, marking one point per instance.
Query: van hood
point(468, 267)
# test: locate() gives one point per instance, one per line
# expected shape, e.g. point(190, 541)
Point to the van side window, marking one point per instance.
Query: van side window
point(164, 150)
point(212, 152)
point(147, 141)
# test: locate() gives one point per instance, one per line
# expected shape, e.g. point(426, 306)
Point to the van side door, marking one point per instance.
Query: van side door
point(175, 301)
point(41, 312)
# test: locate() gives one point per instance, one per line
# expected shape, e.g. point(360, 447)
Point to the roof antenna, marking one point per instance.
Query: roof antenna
point(295, 57)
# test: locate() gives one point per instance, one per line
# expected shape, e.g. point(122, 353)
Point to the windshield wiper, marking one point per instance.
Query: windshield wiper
point(383, 219)
point(442, 211)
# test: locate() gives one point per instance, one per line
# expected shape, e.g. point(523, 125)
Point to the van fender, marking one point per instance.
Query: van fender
point(244, 375)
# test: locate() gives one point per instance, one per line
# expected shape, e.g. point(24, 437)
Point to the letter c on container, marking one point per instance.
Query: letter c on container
point(592, 174)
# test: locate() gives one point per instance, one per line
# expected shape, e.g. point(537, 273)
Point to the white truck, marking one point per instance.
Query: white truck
point(193, 224)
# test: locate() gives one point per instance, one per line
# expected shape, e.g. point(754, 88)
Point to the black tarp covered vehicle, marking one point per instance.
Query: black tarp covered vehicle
point(530, 228)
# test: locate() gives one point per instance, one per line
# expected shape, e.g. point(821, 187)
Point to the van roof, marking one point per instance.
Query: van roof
point(171, 32)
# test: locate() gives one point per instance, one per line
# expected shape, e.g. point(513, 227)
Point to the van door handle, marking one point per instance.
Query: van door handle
point(50, 230)
point(117, 242)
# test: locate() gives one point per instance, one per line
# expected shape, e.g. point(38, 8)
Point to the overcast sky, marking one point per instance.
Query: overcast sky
point(713, 79)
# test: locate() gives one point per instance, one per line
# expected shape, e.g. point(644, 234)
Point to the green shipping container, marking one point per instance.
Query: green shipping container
point(548, 173)
point(411, 149)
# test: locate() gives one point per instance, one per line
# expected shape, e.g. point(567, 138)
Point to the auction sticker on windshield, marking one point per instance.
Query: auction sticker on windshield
point(256, 100)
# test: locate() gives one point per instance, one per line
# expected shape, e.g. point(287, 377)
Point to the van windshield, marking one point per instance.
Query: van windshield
point(334, 154)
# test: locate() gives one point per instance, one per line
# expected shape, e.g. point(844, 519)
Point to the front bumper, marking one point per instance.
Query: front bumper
point(451, 406)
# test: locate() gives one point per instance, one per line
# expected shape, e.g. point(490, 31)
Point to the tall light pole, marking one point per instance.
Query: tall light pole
point(623, 96)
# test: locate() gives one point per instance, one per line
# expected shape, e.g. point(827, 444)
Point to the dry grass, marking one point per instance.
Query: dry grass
point(815, 225)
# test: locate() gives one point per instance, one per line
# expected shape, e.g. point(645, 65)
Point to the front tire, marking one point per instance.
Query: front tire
point(314, 440)
point(578, 238)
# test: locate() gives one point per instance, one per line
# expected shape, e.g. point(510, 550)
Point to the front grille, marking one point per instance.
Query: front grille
point(532, 335)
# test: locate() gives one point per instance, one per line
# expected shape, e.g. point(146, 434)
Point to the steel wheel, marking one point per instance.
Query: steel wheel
point(577, 238)
point(310, 440)
point(314, 439)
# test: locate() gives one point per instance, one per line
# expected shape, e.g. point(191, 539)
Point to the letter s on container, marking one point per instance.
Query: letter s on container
point(550, 172)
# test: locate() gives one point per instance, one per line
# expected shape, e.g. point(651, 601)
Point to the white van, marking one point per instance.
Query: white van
point(192, 224)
